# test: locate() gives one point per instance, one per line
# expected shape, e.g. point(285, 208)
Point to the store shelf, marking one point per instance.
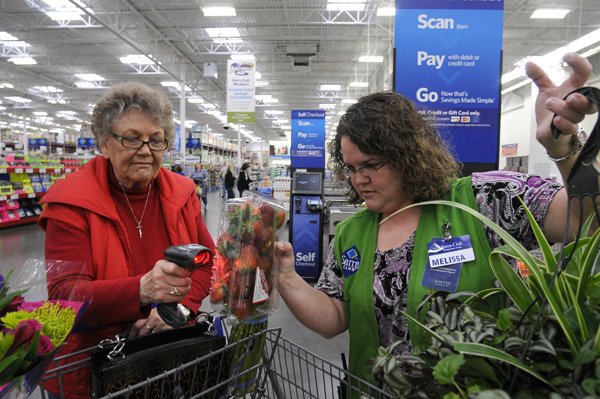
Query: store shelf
point(29, 169)
point(21, 196)
point(25, 220)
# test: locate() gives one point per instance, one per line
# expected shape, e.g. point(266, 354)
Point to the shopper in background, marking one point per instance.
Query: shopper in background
point(393, 158)
point(244, 178)
point(229, 181)
point(116, 216)
point(201, 178)
point(178, 169)
point(222, 173)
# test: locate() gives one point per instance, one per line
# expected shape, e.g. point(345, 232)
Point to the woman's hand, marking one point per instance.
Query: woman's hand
point(550, 101)
point(166, 282)
point(284, 258)
point(152, 324)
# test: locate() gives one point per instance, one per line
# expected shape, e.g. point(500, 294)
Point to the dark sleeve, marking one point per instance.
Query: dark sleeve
point(70, 275)
point(200, 277)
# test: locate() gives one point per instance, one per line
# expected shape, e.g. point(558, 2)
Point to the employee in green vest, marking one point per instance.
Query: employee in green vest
point(380, 261)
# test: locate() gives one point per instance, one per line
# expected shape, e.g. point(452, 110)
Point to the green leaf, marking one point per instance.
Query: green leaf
point(479, 368)
point(496, 354)
point(447, 368)
point(451, 395)
point(492, 394)
point(503, 322)
point(514, 285)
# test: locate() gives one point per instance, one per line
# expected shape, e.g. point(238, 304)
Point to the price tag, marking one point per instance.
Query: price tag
point(14, 196)
point(57, 170)
point(19, 170)
point(29, 170)
point(2, 170)
point(42, 170)
point(32, 195)
point(68, 170)
point(3, 198)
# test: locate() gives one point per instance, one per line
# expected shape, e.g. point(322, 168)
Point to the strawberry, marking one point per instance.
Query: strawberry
point(217, 292)
point(266, 214)
point(248, 259)
point(279, 218)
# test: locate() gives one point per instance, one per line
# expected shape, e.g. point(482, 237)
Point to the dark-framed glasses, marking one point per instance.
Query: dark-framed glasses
point(135, 144)
point(366, 170)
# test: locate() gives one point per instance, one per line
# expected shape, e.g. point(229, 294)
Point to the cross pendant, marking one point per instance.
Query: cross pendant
point(139, 227)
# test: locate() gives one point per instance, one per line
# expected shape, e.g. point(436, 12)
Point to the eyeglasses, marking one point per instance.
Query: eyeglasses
point(367, 170)
point(135, 144)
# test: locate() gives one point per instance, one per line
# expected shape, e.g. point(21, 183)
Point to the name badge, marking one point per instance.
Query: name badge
point(449, 251)
point(444, 262)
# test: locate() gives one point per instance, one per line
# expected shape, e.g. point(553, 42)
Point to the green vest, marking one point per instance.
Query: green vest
point(356, 236)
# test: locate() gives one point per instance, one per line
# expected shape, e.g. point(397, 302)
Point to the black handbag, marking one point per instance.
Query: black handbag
point(123, 363)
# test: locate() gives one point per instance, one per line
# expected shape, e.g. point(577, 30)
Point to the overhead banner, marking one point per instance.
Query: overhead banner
point(240, 91)
point(308, 139)
point(448, 61)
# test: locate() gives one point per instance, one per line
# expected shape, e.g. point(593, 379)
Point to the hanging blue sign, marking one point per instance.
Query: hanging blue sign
point(90, 142)
point(448, 61)
point(308, 139)
point(81, 142)
point(194, 143)
point(33, 143)
point(42, 142)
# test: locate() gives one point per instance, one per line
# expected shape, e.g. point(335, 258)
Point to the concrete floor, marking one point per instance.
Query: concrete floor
point(23, 246)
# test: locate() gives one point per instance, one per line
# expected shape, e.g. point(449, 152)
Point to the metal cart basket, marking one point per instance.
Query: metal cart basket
point(283, 370)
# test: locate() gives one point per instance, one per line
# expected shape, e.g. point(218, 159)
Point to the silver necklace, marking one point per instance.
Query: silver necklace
point(138, 222)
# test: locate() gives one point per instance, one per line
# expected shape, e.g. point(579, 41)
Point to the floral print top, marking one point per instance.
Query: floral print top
point(496, 195)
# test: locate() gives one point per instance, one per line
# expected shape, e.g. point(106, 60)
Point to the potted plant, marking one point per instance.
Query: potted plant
point(544, 344)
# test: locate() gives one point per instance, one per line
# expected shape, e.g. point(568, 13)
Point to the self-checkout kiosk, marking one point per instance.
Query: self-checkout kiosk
point(306, 222)
point(306, 193)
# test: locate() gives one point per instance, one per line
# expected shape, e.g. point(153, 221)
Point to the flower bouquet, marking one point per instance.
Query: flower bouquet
point(244, 281)
point(31, 332)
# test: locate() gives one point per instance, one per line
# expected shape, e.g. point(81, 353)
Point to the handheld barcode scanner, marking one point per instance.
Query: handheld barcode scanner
point(190, 257)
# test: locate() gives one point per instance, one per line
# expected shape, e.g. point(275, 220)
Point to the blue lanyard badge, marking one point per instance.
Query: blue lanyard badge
point(445, 257)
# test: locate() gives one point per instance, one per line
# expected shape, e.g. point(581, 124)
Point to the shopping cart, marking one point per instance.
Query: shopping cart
point(283, 370)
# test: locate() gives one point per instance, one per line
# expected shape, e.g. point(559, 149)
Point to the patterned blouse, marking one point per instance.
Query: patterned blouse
point(496, 197)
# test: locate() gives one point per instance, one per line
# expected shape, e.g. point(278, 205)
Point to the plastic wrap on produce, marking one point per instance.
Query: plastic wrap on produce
point(244, 279)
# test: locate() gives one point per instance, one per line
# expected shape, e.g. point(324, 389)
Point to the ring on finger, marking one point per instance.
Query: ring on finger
point(175, 291)
point(148, 327)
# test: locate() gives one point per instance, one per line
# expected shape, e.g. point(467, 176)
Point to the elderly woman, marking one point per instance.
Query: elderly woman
point(116, 216)
point(377, 266)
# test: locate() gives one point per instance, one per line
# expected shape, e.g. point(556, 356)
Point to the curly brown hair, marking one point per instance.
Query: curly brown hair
point(388, 125)
point(132, 96)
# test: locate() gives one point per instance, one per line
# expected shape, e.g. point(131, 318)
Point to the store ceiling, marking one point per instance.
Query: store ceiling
point(298, 45)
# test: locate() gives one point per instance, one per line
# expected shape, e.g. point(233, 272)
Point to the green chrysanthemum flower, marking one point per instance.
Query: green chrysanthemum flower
point(56, 320)
point(12, 319)
point(5, 343)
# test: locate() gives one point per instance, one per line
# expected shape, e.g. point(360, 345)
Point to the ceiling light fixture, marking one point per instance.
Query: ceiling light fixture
point(330, 87)
point(327, 106)
point(222, 32)
point(386, 11)
point(195, 100)
point(17, 99)
point(85, 85)
point(22, 60)
point(91, 77)
point(139, 59)
point(219, 11)
point(5, 36)
point(70, 15)
point(370, 58)
point(358, 84)
point(242, 57)
point(547, 13)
